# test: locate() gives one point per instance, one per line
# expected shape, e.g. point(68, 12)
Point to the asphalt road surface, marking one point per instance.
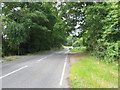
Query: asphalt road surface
point(45, 70)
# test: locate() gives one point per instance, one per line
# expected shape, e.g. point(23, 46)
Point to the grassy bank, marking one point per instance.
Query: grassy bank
point(89, 72)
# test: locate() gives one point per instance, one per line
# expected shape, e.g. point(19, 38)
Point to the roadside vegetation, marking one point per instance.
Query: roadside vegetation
point(9, 58)
point(79, 50)
point(31, 27)
point(90, 72)
point(100, 32)
point(90, 27)
point(100, 35)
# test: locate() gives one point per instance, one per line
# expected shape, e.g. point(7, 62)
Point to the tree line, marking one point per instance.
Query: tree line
point(99, 26)
point(35, 26)
point(30, 27)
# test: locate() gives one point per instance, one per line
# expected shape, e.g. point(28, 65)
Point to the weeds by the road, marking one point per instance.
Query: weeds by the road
point(79, 50)
point(10, 58)
point(89, 72)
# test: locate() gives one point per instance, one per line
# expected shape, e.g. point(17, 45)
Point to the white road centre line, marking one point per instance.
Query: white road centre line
point(63, 72)
point(50, 55)
point(41, 59)
point(44, 57)
point(59, 52)
point(66, 51)
point(13, 72)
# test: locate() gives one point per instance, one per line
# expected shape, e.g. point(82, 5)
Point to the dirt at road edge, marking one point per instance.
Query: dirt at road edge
point(74, 57)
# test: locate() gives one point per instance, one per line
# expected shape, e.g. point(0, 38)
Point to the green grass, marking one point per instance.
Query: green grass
point(89, 72)
point(79, 50)
point(11, 59)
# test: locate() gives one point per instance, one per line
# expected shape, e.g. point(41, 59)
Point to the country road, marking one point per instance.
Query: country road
point(45, 70)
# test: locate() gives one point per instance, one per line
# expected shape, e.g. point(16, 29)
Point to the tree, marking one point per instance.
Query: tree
point(98, 25)
point(32, 26)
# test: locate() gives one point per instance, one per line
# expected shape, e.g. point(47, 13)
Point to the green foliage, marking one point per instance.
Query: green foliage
point(15, 34)
point(99, 27)
point(31, 27)
point(101, 35)
point(78, 43)
point(71, 40)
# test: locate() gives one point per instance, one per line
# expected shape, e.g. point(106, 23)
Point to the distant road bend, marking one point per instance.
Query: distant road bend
point(45, 70)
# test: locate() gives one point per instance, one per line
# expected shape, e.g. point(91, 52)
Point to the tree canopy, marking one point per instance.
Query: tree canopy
point(34, 26)
point(98, 25)
point(31, 27)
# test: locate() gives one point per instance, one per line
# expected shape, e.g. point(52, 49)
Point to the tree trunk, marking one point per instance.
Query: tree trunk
point(18, 49)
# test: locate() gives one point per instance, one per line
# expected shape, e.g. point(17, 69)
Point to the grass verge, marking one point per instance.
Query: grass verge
point(89, 72)
point(10, 58)
point(79, 50)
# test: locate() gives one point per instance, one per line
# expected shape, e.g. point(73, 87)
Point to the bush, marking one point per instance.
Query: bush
point(78, 43)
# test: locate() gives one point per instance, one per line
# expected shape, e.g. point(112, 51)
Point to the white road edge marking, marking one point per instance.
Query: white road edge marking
point(61, 79)
point(13, 72)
